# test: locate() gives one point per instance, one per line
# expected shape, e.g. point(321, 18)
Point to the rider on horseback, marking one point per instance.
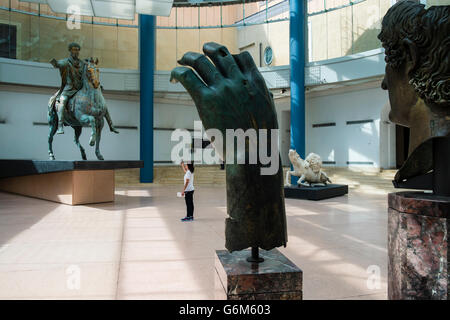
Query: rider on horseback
point(71, 70)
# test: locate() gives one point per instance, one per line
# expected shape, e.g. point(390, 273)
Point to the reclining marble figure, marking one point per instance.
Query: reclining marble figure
point(309, 170)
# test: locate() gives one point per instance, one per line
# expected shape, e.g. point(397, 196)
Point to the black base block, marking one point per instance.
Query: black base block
point(315, 193)
point(19, 167)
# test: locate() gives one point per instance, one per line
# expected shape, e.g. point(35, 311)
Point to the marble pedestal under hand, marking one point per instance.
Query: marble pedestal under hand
point(277, 278)
point(418, 239)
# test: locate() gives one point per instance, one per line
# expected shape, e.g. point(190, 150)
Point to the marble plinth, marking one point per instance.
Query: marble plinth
point(418, 239)
point(315, 193)
point(68, 182)
point(277, 278)
point(24, 167)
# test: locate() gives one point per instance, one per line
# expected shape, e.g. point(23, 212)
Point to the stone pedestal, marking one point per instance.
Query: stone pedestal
point(68, 187)
point(277, 278)
point(68, 182)
point(418, 240)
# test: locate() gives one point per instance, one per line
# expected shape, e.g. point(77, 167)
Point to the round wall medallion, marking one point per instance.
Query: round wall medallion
point(268, 55)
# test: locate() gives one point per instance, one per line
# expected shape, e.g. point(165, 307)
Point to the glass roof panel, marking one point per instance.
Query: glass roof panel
point(62, 6)
point(120, 10)
point(154, 7)
point(36, 1)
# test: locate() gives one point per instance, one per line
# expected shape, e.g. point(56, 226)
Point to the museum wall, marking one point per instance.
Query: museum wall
point(20, 138)
point(343, 125)
point(173, 43)
point(37, 40)
point(332, 33)
point(256, 38)
point(24, 129)
point(345, 31)
point(24, 132)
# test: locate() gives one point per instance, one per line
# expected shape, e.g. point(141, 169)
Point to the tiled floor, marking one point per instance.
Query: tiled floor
point(137, 248)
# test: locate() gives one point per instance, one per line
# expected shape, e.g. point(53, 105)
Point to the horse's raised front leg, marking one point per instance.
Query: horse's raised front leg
point(100, 124)
point(85, 118)
point(53, 125)
point(77, 141)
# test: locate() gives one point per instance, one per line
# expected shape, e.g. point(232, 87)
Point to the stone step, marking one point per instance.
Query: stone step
point(212, 175)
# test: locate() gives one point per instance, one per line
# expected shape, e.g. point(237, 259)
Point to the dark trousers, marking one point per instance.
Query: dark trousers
point(189, 198)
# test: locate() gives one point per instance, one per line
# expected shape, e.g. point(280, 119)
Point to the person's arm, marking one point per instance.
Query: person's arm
point(183, 166)
point(57, 63)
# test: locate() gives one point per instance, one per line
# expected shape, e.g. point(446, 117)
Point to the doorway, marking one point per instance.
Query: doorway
point(401, 145)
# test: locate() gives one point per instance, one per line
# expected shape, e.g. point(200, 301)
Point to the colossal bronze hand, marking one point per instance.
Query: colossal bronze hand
point(232, 94)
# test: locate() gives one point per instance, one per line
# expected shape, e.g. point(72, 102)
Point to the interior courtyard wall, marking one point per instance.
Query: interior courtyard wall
point(117, 47)
point(23, 135)
point(275, 35)
point(332, 34)
point(344, 31)
point(346, 143)
point(176, 42)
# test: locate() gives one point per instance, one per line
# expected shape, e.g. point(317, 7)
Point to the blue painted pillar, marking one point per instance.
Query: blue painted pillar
point(297, 11)
point(147, 48)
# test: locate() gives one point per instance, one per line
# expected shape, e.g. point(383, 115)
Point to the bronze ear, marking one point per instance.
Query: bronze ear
point(412, 57)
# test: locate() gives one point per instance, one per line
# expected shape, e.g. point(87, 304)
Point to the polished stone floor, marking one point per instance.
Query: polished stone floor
point(137, 247)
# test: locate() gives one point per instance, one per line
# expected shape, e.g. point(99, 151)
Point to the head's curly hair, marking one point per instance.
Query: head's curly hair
point(429, 30)
point(72, 45)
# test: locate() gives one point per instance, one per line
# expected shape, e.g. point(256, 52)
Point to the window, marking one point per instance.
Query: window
point(8, 41)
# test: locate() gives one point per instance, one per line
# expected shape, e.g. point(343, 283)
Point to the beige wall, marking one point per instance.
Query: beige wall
point(437, 3)
point(348, 30)
point(171, 44)
point(333, 34)
point(275, 35)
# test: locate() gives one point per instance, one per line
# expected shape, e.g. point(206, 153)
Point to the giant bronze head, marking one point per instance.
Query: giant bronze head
point(417, 47)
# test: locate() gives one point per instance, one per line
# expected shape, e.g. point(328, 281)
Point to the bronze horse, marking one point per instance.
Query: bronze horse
point(86, 108)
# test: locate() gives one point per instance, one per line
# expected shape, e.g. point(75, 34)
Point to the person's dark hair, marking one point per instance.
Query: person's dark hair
point(73, 44)
point(428, 30)
point(191, 167)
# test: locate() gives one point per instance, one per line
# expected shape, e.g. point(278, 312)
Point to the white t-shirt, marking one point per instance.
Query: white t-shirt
point(189, 175)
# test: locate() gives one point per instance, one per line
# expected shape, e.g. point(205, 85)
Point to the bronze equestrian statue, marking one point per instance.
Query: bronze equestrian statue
point(232, 94)
point(78, 102)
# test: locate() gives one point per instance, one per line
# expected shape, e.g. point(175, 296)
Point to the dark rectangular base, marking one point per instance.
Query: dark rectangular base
point(276, 278)
point(20, 167)
point(69, 182)
point(315, 193)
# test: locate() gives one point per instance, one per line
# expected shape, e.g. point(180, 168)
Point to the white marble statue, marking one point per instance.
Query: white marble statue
point(309, 170)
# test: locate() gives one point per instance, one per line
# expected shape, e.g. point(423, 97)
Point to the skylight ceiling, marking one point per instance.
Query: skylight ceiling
point(118, 9)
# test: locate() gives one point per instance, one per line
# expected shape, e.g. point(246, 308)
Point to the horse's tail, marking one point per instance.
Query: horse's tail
point(51, 109)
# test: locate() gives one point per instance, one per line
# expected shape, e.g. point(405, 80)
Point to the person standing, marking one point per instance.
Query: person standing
point(188, 190)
